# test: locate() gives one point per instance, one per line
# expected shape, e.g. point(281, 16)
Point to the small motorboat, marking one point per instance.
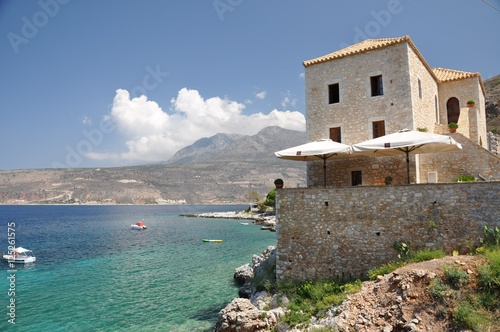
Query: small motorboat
point(138, 225)
point(207, 240)
point(20, 255)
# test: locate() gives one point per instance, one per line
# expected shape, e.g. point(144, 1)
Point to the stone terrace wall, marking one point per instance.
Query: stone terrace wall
point(335, 233)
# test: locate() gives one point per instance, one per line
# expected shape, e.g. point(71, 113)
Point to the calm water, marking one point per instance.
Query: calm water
point(93, 273)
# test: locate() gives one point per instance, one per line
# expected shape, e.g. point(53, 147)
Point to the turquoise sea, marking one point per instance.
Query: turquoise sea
point(93, 273)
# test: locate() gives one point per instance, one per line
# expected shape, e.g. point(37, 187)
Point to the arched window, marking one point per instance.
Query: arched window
point(453, 109)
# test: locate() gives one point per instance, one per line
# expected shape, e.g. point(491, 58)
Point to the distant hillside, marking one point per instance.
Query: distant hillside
point(203, 149)
point(492, 87)
point(260, 147)
point(234, 147)
point(221, 169)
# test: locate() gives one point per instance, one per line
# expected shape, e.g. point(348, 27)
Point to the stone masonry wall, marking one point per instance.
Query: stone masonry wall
point(424, 100)
point(357, 109)
point(464, 90)
point(343, 232)
point(471, 160)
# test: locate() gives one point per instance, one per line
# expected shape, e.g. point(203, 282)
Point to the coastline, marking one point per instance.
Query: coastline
point(266, 220)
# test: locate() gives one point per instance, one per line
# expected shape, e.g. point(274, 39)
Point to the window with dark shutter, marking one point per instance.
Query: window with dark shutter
point(376, 85)
point(378, 128)
point(333, 93)
point(335, 134)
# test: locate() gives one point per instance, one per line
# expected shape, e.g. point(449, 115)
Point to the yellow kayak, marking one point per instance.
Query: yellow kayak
point(207, 240)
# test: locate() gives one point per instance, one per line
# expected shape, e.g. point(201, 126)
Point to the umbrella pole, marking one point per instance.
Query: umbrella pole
point(324, 172)
point(408, 167)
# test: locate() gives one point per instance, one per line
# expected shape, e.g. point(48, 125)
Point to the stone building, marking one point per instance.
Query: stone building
point(380, 86)
point(367, 90)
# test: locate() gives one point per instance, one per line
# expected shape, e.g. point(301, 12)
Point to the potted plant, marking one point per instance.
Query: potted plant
point(278, 183)
point(471, 103)
point(453, 127)
point(388, 180)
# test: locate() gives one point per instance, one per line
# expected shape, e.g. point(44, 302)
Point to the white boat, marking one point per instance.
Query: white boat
point(138, 225)
point(20, 255)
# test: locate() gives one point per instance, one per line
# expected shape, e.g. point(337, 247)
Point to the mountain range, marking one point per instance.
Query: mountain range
point(221, 169)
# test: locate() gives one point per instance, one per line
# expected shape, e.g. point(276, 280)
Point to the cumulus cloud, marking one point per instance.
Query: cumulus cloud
point(261, 95)
point(288, 100)
point(151, 134)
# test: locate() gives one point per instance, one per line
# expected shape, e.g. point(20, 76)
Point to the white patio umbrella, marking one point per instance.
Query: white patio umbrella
point(406, 142)
point(321, 149)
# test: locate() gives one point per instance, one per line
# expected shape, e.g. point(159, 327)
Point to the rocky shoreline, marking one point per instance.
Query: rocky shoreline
point(266, 220)
point(255, 309)
point(398, 301)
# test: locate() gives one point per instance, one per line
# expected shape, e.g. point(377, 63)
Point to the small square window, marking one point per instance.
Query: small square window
point(376, 85)
point(336, 134)
point(333, 93)
point(378, 128)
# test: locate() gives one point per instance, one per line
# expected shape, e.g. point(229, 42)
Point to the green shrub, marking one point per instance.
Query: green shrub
point(464, 178)
point(438, 289)
point(313, 298)
point(278, 181)
point(470, 315)
point(454, 276)
point(384, 269)
point(489, 301)
point(489, 274)
point(427, 255)
point(403, 249)
point(491, 236)
point(271, 198)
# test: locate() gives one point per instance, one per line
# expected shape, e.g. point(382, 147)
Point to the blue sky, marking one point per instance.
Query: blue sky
point(72, 72)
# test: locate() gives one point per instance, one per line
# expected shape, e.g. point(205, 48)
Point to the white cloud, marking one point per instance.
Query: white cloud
point(288, 100)
point(302, 75)
point(150, 134)
point(261, 95)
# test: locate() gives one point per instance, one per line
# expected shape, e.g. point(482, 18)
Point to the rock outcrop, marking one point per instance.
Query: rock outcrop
point(398, 301)
point(255, 310)
point(243, 274)
point(242, 315)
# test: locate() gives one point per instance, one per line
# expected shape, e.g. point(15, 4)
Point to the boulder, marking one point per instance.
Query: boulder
point(243, 274)
point(242, 316)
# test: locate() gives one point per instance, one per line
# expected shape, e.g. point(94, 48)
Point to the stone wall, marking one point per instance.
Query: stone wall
point(337, 233)
point(424, 97)
point(357, 109)
point(494, 143)
point(464, 90)
point(471, 160)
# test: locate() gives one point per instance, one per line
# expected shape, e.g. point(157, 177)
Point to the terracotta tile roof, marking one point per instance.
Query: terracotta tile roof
point(445, 75)
point(364, 46)
point(439, 74)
